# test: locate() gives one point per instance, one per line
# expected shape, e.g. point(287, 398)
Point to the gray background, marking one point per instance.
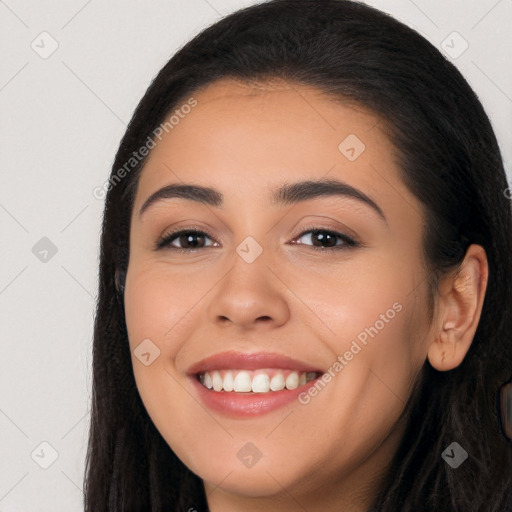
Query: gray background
point(62, 117)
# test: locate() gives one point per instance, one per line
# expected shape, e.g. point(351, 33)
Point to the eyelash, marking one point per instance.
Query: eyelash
point(349, 242)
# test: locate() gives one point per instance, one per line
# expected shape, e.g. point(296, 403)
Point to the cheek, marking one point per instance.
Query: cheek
point(370, 317)
point(158, 303)
point(144, 307)
point(156, 306)
point(355, 296)
point(152, 312)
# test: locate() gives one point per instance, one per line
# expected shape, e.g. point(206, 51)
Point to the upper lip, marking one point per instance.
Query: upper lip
point(249, 361)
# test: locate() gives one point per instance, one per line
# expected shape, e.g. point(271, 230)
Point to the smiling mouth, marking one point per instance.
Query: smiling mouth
point(263, 380)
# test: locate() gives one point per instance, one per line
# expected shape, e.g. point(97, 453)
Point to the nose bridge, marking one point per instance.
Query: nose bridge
point(249, 293)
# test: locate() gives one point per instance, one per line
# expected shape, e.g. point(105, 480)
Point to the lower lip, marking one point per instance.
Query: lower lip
point(247, 404)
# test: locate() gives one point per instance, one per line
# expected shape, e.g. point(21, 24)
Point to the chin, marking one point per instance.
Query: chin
point(248, 482)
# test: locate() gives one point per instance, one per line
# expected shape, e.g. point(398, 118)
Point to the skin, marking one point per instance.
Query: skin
point(246, 140)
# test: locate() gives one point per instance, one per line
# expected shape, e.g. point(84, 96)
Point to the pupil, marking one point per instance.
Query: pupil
point(190, 239)
point(323, 236)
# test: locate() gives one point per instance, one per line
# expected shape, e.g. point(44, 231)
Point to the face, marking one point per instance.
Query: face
point(302, 269)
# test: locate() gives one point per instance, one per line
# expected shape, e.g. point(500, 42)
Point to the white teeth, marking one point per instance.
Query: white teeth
point(217, 381)
point(277, 382)
point(292, 381)
point(208, 380)
point(242, 383)
point(259, 381)
point(228, 382)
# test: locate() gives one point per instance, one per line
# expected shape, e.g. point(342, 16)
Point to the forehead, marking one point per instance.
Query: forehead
point(238, 128)
point(284, 97)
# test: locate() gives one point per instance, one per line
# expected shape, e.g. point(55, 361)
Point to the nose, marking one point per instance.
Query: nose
point(248, 296)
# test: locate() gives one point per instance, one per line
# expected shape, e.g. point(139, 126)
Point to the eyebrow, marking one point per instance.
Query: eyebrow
point(289, 193)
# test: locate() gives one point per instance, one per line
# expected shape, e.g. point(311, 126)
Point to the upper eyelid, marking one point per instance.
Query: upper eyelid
point(301, 231)
point(308, 224)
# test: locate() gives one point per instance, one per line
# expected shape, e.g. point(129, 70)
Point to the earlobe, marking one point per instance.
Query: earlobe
point(461, 298)
point(448, 350)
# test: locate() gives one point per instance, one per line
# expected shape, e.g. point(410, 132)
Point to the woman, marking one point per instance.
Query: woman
point(305, 278)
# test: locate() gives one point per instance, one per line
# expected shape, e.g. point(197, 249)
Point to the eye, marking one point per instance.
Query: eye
point(327, 240)
point(189, 239)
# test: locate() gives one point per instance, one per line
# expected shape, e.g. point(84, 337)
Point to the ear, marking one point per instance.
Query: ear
point(461, 297)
